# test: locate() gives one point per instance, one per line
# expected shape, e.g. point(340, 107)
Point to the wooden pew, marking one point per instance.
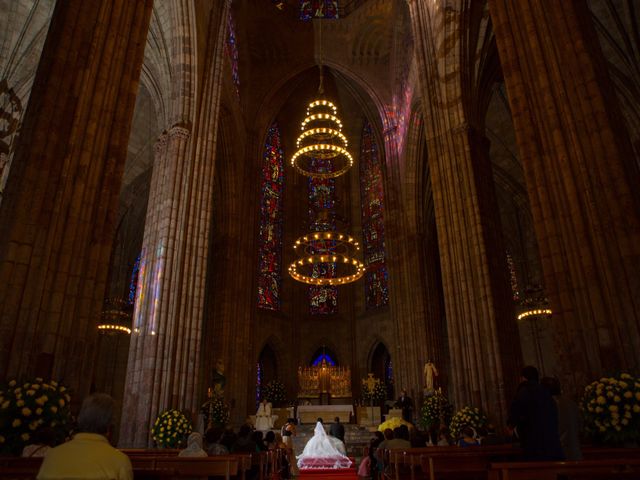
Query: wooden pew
point(620, 468)
point(445, 462)
point(19, 468)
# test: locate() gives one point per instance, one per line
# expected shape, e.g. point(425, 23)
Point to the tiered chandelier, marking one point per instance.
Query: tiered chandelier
point(322, 141)
point(115, 317)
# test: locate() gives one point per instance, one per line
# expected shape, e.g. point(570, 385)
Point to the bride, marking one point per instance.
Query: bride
point(323, 451)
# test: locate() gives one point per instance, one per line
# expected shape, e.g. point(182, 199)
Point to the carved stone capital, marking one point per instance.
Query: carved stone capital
point(179, 131)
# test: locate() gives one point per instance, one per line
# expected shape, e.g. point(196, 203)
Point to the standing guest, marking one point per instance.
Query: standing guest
point(258, 439)
point(368, 464)
point(406, 404)
point(270, 440)
point(288, 431)
point(398, 440)
point(534, 418)
point(337, 429)
point(569, 424)
point(88, 455)
point(194, 446)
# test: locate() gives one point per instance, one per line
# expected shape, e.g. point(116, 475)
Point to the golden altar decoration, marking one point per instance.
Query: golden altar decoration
point(324, 379)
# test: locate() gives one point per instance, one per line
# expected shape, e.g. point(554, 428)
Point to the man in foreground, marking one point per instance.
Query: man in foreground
point(89, 455)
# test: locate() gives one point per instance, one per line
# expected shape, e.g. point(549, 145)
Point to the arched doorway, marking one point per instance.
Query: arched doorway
point(382, 367)
point(267, 370)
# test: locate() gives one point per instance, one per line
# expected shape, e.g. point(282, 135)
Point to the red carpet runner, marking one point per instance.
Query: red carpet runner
point(330, 473)
point(333, 474)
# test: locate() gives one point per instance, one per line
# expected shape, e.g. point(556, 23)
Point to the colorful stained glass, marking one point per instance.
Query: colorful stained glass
point(232, 51)
point(372, 196)
point(259, 381)
point(323, 356)
point(133, 283)
point(310, 9)
point(270, 268)
point(322, 300)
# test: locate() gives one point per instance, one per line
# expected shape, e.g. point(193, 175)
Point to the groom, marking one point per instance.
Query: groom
point(337, 429)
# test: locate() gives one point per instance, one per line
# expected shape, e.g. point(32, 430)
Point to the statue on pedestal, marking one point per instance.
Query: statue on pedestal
point(430, 372)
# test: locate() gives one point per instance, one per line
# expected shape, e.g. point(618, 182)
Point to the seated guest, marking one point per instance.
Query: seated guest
point(399, 440)
point(43, 440)
point(488, 436)
point(229, 439)
point(444, 437)
point(467, 438)
point(194, 446)
point(257, 437)
point(88, 455)
point(213, 437)
point(244, 442)
point(270, 440)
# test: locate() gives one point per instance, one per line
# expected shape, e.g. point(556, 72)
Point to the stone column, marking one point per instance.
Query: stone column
point(164, 357)
point(582, 184)
point(57, 219)
point(406, 286)
point(482, 334)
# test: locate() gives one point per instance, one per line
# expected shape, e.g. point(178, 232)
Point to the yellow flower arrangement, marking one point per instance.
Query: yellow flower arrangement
point(170, 428)
point(616, 417)
point(28, 406)
point(467, 417)
point(392, 423)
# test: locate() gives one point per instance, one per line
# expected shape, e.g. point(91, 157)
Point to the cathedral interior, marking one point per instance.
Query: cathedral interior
point(146, 183)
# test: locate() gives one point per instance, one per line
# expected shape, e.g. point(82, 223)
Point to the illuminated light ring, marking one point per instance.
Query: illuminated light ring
point(318, 151)
point(339, 238)
point(321, 117)
point(114, 328)
point(538, 311)
point(328, 258)
point(322, 131)
point(322, 103)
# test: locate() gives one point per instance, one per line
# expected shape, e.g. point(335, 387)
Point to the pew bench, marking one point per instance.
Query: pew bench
point(445, 462)
point(612, 469)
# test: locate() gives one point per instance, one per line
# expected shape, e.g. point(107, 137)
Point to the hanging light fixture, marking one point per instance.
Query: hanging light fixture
point(115, 317)
point(323, 143)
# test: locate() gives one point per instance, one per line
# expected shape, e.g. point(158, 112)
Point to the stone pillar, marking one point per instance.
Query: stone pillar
point(164, 357)
point(57, 219)
point(406, 286)
point(582, 184)
point(482, 333)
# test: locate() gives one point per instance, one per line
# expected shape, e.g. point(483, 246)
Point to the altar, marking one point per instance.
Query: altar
point(311, 413)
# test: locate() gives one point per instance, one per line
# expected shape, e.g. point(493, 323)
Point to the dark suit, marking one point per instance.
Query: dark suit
point(337, 430)
point(535, 415)
point(406, 404)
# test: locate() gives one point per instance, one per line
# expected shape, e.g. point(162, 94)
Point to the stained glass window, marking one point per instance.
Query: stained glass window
point(372, 196)
point(322, 300)
point(323, 356)
point(270, 269)
point(133, 282)
point(232, 51)
point(259, 380)
point(310, 9)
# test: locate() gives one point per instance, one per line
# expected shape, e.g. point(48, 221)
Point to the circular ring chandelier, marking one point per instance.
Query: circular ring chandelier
point(115, 318)
point(322, 138)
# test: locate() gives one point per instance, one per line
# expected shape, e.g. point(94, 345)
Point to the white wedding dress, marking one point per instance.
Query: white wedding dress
point(323, 451)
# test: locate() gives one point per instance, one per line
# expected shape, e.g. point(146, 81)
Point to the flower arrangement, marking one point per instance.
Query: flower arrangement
point(611, 409)
point(170, 429)
point(436, 409)
point(26, 407)
point(392, 423)
point(275, 393)
point(373, 390)
point(467, 417)
point(217, 409)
